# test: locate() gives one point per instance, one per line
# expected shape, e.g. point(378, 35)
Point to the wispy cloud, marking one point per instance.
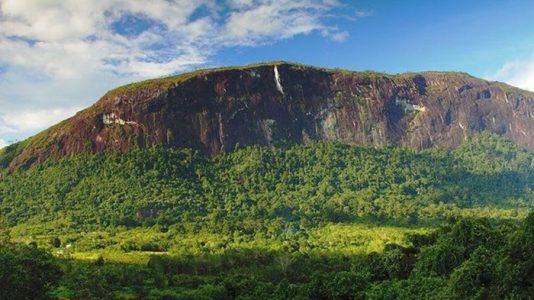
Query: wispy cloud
point(518, 73)
point(31, 120)
point(59, 55)
point(3, 143)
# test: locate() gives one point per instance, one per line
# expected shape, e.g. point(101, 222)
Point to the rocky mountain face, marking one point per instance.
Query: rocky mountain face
point(274, 103)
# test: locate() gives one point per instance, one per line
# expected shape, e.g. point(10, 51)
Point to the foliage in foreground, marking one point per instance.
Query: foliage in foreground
point(467, 259)
point(27, 272)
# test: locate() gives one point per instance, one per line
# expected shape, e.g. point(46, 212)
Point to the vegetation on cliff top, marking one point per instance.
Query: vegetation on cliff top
point(165, 83)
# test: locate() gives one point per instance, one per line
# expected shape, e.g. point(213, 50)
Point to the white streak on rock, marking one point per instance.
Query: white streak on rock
point(409, 106)
point(112, 118)
point(277, 81)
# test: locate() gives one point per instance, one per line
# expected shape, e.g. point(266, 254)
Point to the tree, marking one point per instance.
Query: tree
point(55, 242)
point(5, 236)
point(473, 278)
point(27, 273)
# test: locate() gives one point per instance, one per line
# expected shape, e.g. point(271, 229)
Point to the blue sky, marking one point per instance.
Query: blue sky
point(475, 36)
point(57, 57)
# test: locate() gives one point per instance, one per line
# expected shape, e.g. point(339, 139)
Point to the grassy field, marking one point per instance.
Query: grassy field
point(135, 246)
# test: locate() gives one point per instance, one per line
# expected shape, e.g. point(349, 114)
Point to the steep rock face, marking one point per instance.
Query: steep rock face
point(216, 110)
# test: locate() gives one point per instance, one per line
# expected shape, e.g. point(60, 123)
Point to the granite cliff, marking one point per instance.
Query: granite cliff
point(216, 110)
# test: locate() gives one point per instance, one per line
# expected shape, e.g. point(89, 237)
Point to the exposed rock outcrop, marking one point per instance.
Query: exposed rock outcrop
point(215, 110)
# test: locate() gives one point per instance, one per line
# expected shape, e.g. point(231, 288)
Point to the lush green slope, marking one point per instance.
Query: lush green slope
point(257, 188)
point(298, 222)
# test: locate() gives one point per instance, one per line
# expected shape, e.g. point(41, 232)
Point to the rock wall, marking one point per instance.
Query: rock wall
point(269, 104)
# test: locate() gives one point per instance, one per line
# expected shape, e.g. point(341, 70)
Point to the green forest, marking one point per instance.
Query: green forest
point(297, 185)
point(320, 221)
point(469, 258)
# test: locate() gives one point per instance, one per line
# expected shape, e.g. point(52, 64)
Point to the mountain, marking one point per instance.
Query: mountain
point(164, 189)
point(217, 110)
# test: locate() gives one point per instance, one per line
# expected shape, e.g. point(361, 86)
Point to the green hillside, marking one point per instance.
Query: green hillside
point(262, 187)
point(323, 221)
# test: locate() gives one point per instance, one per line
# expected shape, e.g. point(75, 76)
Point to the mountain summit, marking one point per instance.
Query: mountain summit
point(216, 110)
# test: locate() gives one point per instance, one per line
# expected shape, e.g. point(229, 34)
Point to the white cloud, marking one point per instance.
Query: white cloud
point(59, 55)
point(32, 120)
point(518, 73)
point(3, 143)
point(253, 23)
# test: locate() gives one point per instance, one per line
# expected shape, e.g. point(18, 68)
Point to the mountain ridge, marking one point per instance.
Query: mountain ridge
point(215, 110)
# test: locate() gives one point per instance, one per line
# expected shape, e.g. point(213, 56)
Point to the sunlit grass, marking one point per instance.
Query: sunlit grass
point(136, 246)
point(137, 257)
point(359, 238)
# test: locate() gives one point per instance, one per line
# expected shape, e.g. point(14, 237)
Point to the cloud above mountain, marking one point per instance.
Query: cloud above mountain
point(518, 73)
point(57, 56)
